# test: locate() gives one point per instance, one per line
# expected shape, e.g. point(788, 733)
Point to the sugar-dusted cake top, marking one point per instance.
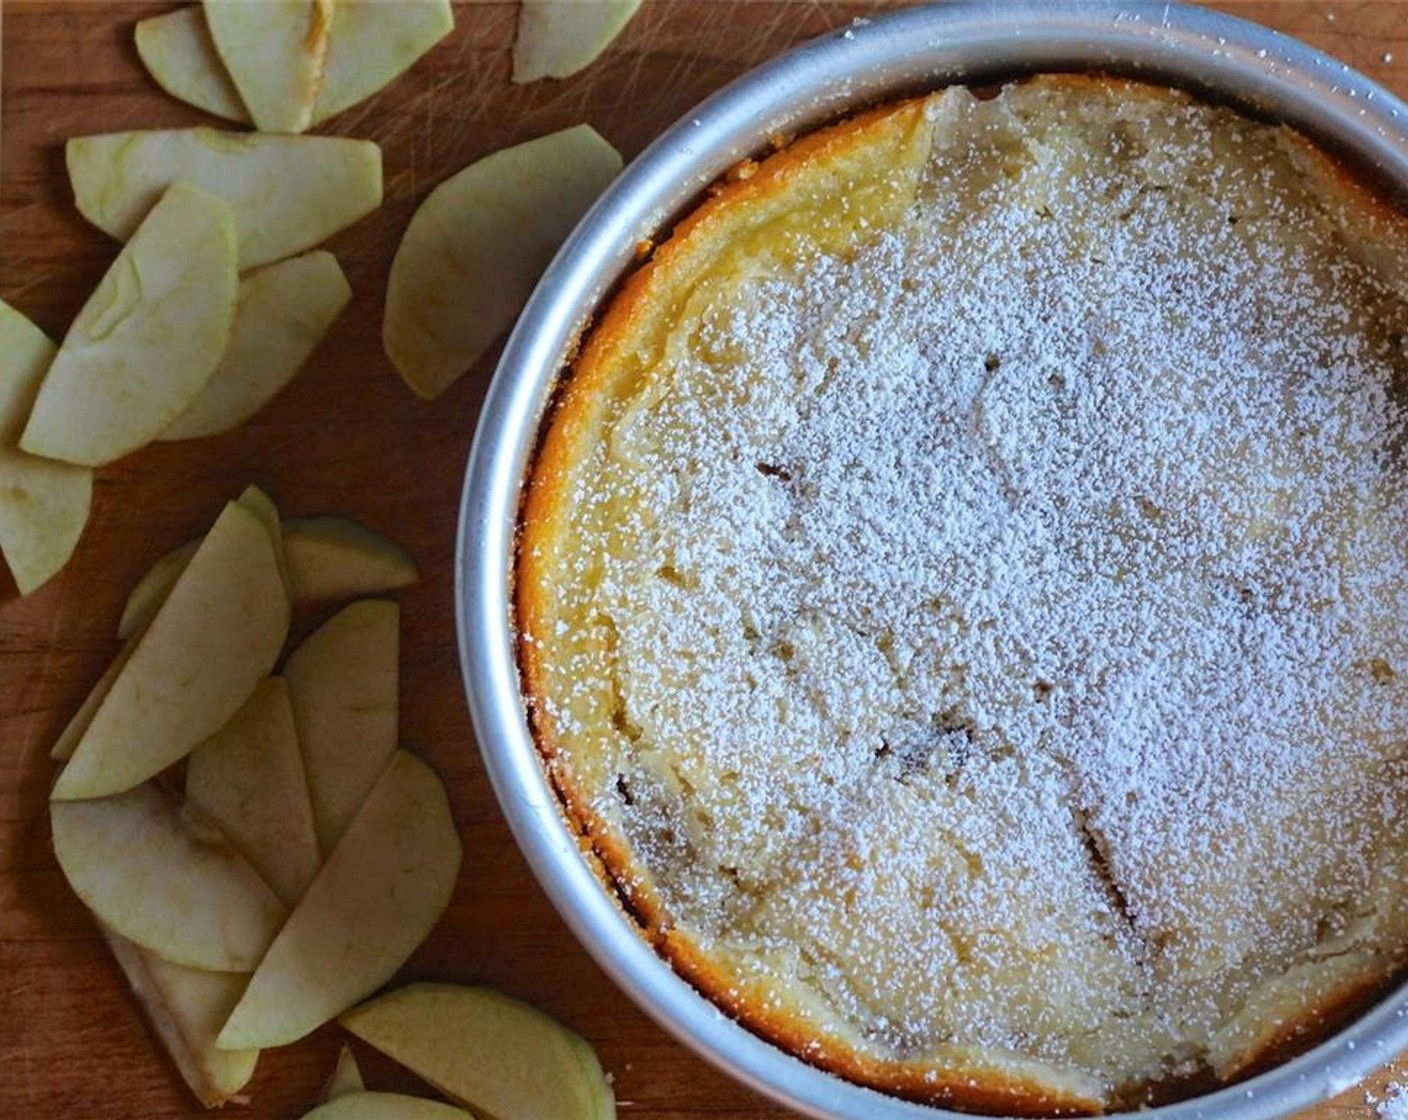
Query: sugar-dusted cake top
point(964, 595)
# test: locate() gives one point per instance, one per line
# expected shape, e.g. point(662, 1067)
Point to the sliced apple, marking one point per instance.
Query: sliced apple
point(178, 52)
point(385, 1106)
point(346, 1077)
point(161, 874)
point(151, 590)
point(328, 558)
point(288, 193)
point(262, 506)
point(283, 312)
point(488, 1051)
point(147, 340)
point(556, 38)
point(186, 1007)
point(274, 52)
point(248, 778)
point(373, 43)
point(145, 600)
point(67, 741)
point(43, 503)
point(336, 558)
point(343, 681)
point(478, 244)
point(214, 638)
point(376, 899)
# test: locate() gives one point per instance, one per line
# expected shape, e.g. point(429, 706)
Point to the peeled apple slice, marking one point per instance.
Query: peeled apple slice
point(346, 1077)
point(74, 730)
point(214, 638)
point(478, 244)
point(248, 778)
point(288, 193)
point(163, 876)
point(486, 1050)
point(266, 513)
point(178, 52)
point(384, 1106)
point(376, 899)
point(274, 52)
point(186, 1007)
point(556, 38)
point(151, 590)
point(335, 558)
point(43, 503)
point(147, 340)
point(343, 681)
point(373, 43)
point(327, 557)
point(141, 606)
point(283, 312)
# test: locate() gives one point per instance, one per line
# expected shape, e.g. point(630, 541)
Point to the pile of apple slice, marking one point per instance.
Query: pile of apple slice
point(479, 242)
point(302, 857)
point(179, 340)
point(290, 65)
point(258, 852)
point(481, 1049)
point(287, 65)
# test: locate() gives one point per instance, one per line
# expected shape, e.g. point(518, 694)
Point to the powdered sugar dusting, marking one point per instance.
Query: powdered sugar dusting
point(1394, 1103)
point(1010, 619)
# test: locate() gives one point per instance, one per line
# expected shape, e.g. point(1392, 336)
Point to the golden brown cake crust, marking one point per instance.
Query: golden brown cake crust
point(608, 370)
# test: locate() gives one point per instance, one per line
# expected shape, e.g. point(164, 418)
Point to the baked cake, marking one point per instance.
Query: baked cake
point(964, 602)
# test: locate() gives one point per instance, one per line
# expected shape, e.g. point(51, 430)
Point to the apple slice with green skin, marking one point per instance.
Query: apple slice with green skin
point(557, 38)
point(288, 193)
point(488, 1051)
point(385, 1106)
point(282, 314)
point(248, 778)
point(328, 558)
point(178, 52)
point(186, 1007)
point(43, 503)
point(161, 874)
point(147, 340)
point(476, 247)
point(375, 900)
point(215, 637)
point(274, 51)
point(373, 43)
point(336, 558)
point(346, 1077)
point(343, 681)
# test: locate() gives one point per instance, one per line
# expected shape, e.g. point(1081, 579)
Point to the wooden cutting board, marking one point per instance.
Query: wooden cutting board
point(347, 437)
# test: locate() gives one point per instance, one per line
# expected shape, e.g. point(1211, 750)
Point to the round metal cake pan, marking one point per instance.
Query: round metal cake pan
point(1224, 58)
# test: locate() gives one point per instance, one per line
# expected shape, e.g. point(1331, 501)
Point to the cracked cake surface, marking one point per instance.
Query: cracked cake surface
point(963, 595)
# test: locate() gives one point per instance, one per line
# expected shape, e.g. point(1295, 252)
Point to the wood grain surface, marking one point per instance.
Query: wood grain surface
point(347, 437)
